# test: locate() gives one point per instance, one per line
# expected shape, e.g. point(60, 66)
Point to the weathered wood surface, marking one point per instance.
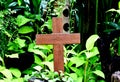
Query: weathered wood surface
point(58, 39)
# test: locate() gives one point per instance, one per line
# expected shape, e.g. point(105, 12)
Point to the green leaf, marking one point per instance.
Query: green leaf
point(78, 61)
point(48, 24)
point(2, 68)
point(7, 73)
point(21, 20)
point(92, 52)
point(20, 42)
point(17, 80)
point(31, 47)
point(91, 41)
point(37, 60)
point(19, 2)
point(38, 68)
point(13, 55)
point(99, 73)
point(43, 47)
point(39, 52)
point(112, 24)
point(119, 4)
point(113, 10)
point(25, 29)
point(15, 72)
point(1, 59)
point(50, 65)
point(49, 57)
point(73, 76)
point(77, 71)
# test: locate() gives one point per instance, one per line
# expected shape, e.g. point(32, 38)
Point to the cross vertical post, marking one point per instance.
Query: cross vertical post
point(58, 48)
point(58, 39)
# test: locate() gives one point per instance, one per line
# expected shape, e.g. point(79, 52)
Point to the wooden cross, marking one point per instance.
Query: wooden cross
point(58, 39)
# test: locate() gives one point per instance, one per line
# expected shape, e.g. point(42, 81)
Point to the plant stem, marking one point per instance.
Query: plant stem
point(96, 17)
point(85, 71)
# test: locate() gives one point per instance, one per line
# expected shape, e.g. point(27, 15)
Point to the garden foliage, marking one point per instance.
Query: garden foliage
point(21, 20)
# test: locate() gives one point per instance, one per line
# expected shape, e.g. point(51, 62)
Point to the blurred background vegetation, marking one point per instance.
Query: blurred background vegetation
point(21, 20)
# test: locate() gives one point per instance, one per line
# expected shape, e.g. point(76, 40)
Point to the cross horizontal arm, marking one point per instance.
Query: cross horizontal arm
point(58, 38)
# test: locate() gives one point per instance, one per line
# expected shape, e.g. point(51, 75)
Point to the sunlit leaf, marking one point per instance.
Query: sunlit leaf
point(92, 53)
point(91, 41)
point(99, 73)
point(73, 75)
point(19, 2)
point(21, 42)
point(38, 68)
point(37, 60)
point(1, 59)
point(119, 4)
point(17, 80)
point(25, 30)
point(7, 73)
point(49, 57)
point(13, 55)
point(21, 20)
point(50, 65)
point(78, 61)
point(15, 72)
point(39, 52)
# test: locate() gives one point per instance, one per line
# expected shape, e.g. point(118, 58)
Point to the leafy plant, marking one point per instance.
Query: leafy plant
point(85, 66)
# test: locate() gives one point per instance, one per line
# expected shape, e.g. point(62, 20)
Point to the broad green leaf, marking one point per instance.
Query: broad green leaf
point(78, 71)
point(92, 52)
point(49, 57)
point(111, 10)
point(80, 79)
point(37, 60)
point(13, 55)
point(38, 17)
point(38, 68)
point(78, 61)
point(25, 30)
point(47, 47)
point(48, 24)
point(112, 24)
point(19, 2)
point(7, 73)
point(15, 72)
point(91, 41)
point(8, 34)
point(21, 42)
point(49, 64)
point(2, 68)
point(99, 73)
point(114, 10)
point(119, 4)
point(31, 46)
point(39, 52)
point(13, 4)
point(1, 59)
point(21, 20)
point(73, 76)
point(17, 80)
point(2, 81)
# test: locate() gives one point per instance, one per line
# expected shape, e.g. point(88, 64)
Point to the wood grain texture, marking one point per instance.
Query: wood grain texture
point(58, 38)
point(58, 57)
point(57, 25)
